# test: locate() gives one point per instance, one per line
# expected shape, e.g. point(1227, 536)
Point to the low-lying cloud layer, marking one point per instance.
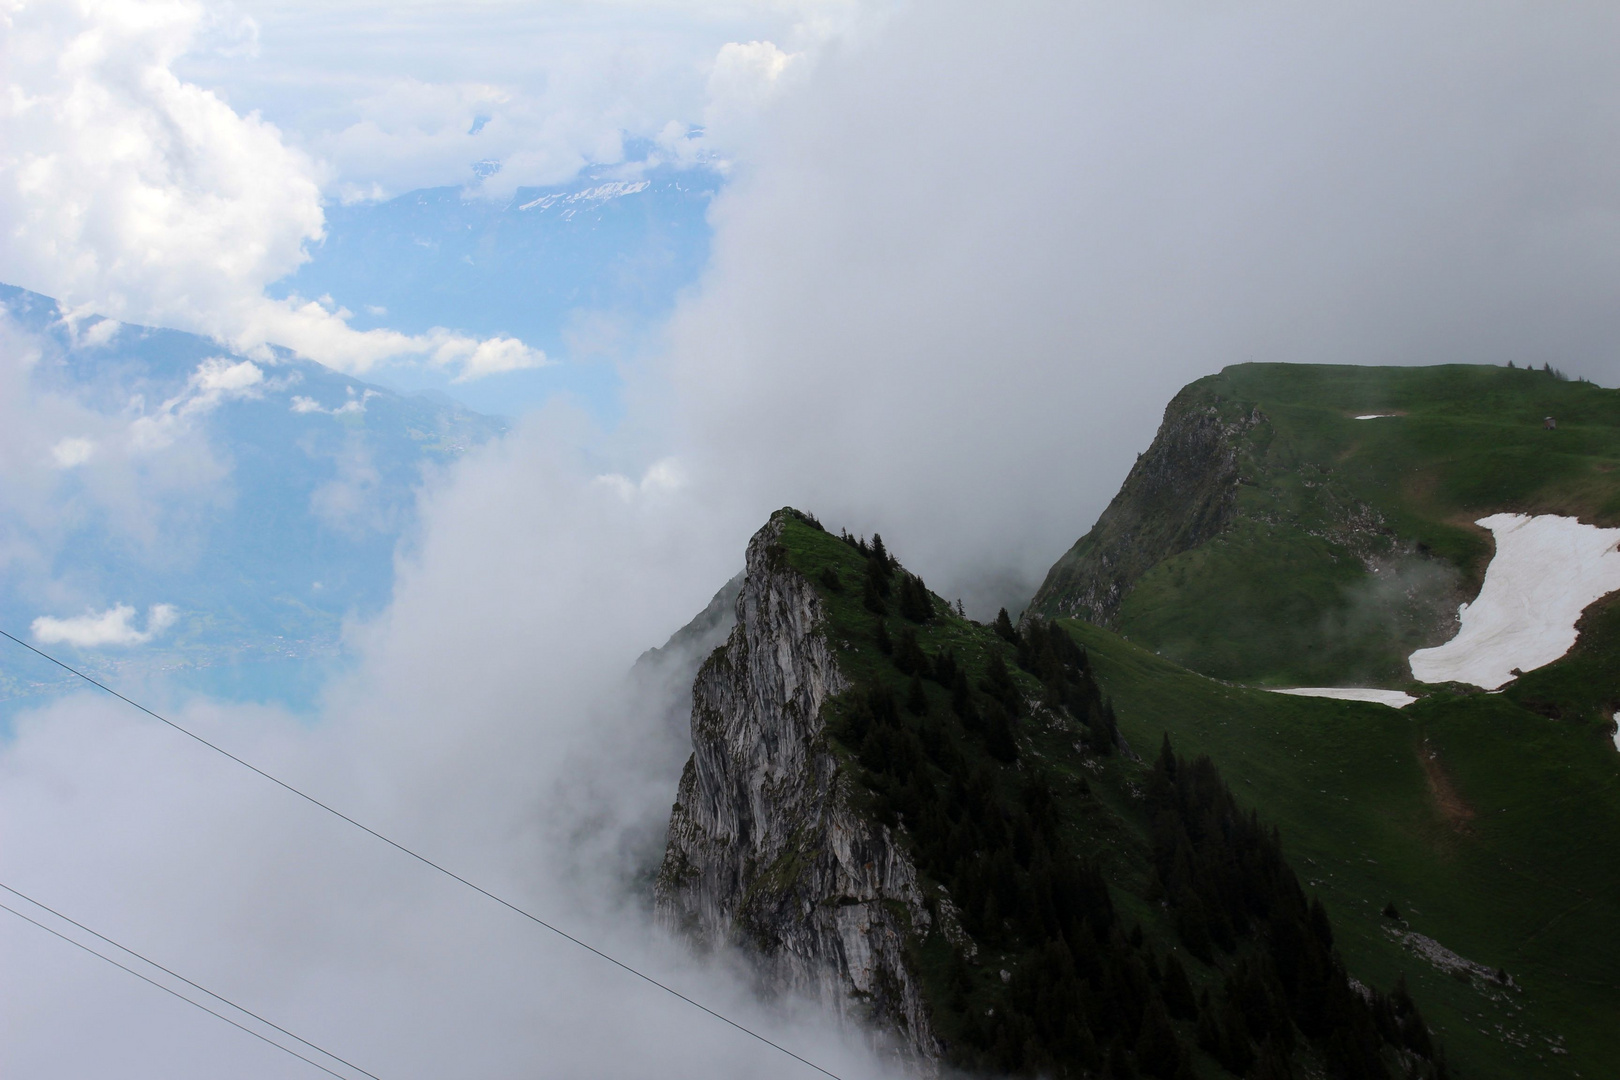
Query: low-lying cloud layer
point(489, 727)
point(967, 264)
point(115, 626)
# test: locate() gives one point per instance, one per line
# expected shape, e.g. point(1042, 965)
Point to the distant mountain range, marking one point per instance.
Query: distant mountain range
point(582, 270)
point(308, 482)
point(303, 480)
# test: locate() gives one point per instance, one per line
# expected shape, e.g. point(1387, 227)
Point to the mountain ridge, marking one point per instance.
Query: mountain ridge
point(1337, 533)
point(926, 824)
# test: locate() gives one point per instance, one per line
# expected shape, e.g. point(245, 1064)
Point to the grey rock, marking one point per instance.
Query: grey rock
point(767, 847)
point(1179, 494)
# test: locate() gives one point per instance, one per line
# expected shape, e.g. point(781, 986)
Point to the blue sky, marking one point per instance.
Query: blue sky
point(586, 271)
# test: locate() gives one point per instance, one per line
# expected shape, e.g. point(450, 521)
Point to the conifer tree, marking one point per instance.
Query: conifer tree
point(880, 634)
point(908, 655)
point(880, 554)
point(914, 601)
point(998, 684)
point(1178, 995)
point(961, 697)
point(998, 734)
point(872, 595)
point(1004, 628)
point(916, 697)
point(1158, 1048)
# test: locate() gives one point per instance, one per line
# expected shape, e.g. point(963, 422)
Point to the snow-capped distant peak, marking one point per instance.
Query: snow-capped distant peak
point(601, 193)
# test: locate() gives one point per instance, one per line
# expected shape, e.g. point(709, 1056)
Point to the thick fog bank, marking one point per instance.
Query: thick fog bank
point(972, 260)
point(491, 728)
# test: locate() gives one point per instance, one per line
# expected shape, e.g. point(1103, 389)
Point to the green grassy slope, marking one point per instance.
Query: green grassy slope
point(1490, 826)
point(1284, 597)
point(1103, 817)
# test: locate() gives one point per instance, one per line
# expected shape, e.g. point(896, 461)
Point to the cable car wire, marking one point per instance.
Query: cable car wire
point(175, 974)
point(189, 1001)
point(424, 860)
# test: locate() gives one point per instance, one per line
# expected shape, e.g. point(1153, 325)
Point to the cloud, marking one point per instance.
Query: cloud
point(356, 403)
point(488, 725)
point(971, 259)
point(744, 80)
point(491, 356)
point(80, 459)
point(127, 190)
point(72, 451)
point(541, 91)
point(110, 627)
point(216, 380)
point(353, 501)
point(661, 478)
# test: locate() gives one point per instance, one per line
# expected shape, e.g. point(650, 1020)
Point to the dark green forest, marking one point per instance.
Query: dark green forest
point(1045, 957)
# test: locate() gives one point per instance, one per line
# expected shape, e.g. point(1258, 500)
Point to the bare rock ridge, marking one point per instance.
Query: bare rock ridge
point(765, 848)
point(1180, 493)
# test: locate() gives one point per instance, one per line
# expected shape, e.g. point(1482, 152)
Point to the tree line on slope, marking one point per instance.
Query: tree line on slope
point(1083, 994)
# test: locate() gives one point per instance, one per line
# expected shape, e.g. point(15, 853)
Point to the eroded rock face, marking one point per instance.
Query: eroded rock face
point(766, 850)
point(1179, 494)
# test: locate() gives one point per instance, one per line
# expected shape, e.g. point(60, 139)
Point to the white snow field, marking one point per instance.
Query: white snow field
point(1374, 416)
point(1547, 569)
point(1395, 699)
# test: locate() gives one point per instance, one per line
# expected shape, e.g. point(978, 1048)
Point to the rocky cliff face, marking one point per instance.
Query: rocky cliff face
point(767, 848)
point(1179, 494)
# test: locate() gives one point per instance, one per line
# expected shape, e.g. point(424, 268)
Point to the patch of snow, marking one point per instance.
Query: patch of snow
point(1395, 699)
point(1375, 415)
point(598, 194)
point(1617, 731)
point(1546, 571)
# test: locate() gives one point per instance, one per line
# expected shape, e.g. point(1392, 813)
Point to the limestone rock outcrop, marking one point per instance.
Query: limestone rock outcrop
point(768, 849)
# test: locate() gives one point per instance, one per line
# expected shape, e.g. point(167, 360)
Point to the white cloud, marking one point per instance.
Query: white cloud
point(129, 191)
point(216, 380)
point(663, 477)
point(72, 461)
point(72, 451)
point(744, 80)
point(100, 332)
point(110, 627)
point(476, 359)
point(356, 403)
point(543, 90)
